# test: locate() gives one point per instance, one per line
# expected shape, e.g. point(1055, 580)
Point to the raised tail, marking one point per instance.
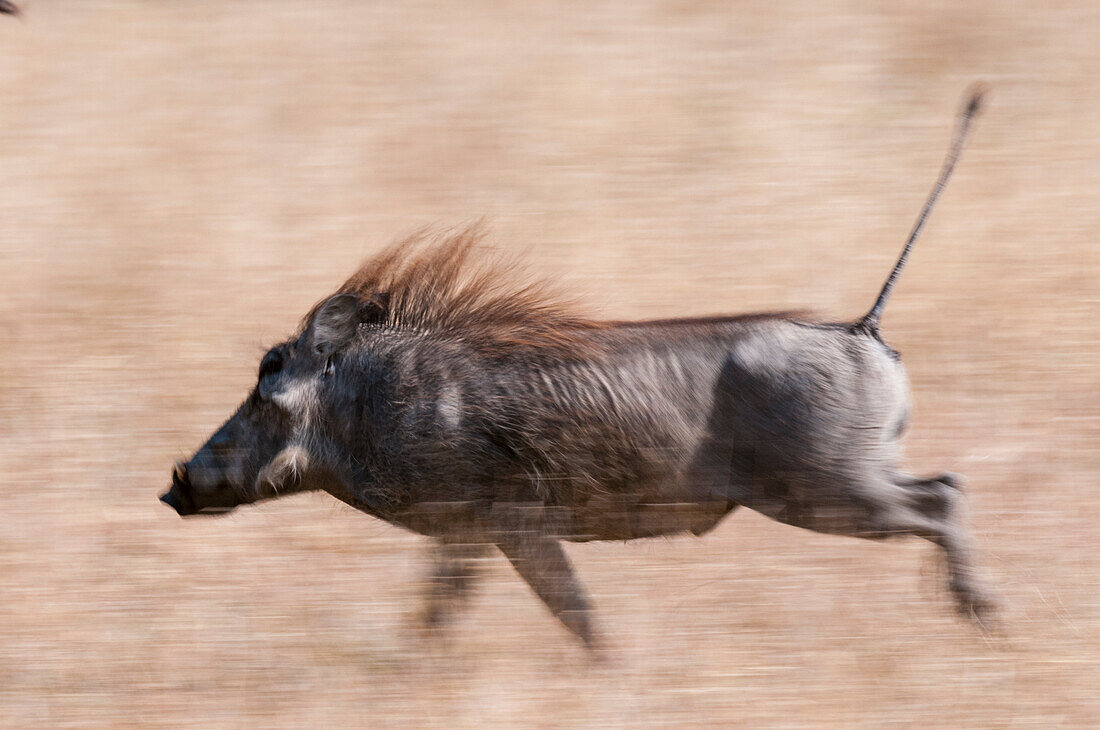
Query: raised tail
point(869, 322)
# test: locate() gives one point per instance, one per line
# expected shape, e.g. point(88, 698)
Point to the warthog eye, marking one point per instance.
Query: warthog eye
point(330, 366)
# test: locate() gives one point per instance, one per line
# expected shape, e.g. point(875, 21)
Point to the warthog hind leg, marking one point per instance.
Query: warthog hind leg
point(931, 509)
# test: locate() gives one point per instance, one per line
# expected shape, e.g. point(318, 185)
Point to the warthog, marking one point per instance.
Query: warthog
point(453, 399)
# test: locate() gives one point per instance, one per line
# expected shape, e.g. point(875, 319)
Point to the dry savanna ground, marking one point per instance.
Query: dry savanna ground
point(179, 181)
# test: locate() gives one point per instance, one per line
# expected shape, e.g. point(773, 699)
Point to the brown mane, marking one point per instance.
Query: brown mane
point(446, 281)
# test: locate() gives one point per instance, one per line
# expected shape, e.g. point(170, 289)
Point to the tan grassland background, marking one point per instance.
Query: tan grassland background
point(179, 181)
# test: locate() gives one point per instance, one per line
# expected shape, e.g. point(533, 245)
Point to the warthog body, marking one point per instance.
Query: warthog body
point(433, 394)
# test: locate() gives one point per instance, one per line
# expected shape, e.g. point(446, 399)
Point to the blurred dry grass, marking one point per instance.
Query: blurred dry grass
point(179, 181)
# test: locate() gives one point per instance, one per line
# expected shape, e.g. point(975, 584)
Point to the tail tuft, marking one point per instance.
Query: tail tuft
point(977, 93)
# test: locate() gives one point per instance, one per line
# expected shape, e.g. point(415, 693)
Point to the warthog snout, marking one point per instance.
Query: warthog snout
point(186, 499)
point(234, 466)
point(178, 496)
point(213, 481)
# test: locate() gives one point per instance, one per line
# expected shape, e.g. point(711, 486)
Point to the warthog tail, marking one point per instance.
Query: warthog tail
point(869, 322)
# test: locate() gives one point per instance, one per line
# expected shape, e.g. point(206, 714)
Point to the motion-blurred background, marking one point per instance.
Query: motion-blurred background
point(179, 181)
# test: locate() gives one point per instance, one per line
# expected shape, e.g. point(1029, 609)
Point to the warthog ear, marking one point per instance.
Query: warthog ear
point(376, 307)
point(336, 321)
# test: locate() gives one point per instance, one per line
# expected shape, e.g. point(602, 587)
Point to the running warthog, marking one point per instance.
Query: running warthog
point(447, 397)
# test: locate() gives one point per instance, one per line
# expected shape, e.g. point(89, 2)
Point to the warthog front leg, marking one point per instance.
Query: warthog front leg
point(454, 571)
point(541, 562)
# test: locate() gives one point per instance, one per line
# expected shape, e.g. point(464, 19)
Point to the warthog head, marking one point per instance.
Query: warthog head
point(363, 402)
point(268, 448)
